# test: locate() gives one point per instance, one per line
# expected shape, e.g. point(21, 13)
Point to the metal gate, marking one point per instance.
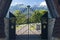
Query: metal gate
point(44, 22)
point(12, 28)
point(28, 31)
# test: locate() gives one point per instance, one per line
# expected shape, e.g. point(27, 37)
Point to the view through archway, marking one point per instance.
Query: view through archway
point(28, 18)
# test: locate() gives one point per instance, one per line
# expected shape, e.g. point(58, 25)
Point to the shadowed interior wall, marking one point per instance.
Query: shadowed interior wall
point(52, 8)
point(56, 30)
point(4, 6)
point(2, 34)
point(6, 22)
point(57, 6)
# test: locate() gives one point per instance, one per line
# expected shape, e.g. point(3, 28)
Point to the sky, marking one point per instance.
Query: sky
point(28, 2)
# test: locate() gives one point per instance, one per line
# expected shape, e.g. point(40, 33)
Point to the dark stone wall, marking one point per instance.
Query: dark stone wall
point(57, 6)
point(4, 6)
point(56, 30)
point(2, 34)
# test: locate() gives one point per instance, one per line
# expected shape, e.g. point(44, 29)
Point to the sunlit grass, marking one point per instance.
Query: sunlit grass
point(32, 27)
point(18, 27)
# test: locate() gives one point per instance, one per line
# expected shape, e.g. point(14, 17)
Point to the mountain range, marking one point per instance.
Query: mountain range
point(23, 7)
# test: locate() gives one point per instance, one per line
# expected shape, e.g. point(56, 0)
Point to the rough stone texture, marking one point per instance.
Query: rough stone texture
point(6, 21)
point(6, 31)
point(56, 30)
point(54, 38)
point(4, 6)
point(51, 25)
point(2, 33)
point(57, 6)
point(51, 22)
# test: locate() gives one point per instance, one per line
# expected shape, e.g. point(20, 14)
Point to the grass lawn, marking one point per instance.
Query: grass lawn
point(32, 27)
point(20, 26)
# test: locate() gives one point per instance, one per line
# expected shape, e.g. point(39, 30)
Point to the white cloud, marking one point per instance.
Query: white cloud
point(15, 3)
point(43, 3)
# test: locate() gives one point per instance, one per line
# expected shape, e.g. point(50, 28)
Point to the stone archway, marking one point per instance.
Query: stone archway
point(4, 6)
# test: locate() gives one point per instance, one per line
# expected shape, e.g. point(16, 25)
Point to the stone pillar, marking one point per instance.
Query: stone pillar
point(6, 29)
point(51, 22)
point(6, 21)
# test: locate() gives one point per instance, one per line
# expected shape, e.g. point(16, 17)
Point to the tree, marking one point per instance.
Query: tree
point(21, 18)
point(36, 16)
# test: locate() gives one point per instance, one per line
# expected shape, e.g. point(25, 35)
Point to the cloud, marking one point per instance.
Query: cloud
point(43, 3)
point(15, 3)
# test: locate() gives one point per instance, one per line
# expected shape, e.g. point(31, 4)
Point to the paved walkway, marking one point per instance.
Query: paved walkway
point(28, 37)
point(31, 37)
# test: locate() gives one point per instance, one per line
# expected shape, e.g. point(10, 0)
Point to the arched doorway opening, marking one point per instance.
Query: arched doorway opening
point(28, 23)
